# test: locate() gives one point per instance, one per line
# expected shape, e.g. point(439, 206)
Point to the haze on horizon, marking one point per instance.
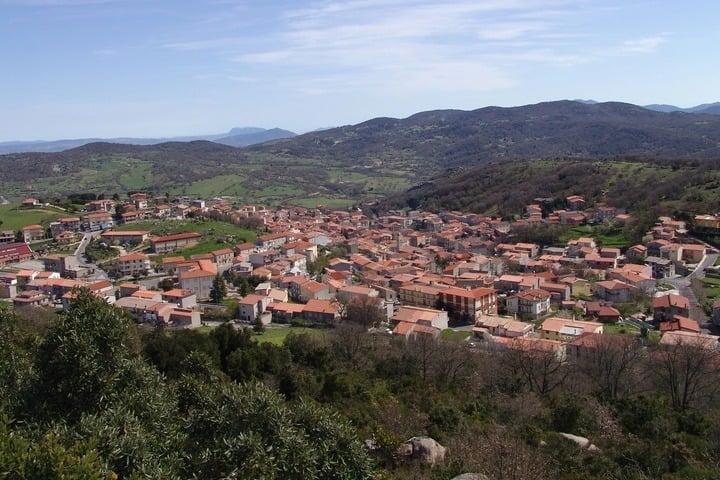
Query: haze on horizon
point(131, 68)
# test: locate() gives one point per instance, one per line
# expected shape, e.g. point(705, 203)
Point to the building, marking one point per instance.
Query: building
point(565, 329)
point(125, 237)
point(422, 316)
point(15, 252)
point(134, 264)
point(469, 303)
point(95, 221)
point(198, 279)
point(170, 243)
point(253, 307)
point(532, 303)
point(32, 233)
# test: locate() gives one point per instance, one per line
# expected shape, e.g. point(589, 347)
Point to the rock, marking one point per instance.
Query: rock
point(581, 442)
point(471, 476)
point(425, 449)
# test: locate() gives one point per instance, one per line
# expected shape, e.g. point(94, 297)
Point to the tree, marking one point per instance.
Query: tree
point(363, 310)
point(81, 356)
point(218, 290)
point(687, 371)
point(542, 370)
point(249, 431)
point(611, 364)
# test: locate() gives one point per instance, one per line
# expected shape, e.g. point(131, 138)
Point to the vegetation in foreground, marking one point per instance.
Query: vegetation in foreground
point(86, 396)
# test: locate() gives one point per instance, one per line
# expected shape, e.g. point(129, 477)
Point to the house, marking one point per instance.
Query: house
point(145, 310)
point(678, 322)
point(322, 311)
point(222, 259)
point(66, 224)
point(586, 345)
point(565, 329)
point(15, 252)
point(692, 253)
point(602, 312)
point(496, 326)
point(469, 304)
point(352, 292)
point(667, 306)
point(691, 339)
point(422, 316)
point(134, 264)
point(184, 318)
point(661, 267)
point(182, 298)
point(97, 220)
point(7, 236)
point(31, 298)
point(102, 205)
point(252, 307)
point(32, 233)
point(274, 240)
point(283, 312)
point(65, 265)
point(419, 295)
point(198, 279)
point(532, 346)
point(170, 243)
point(532, 303)
point(616, 291)
point(8, 285)
point(135, 237)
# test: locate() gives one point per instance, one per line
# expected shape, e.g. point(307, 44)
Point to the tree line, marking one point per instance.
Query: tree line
point(89, 395)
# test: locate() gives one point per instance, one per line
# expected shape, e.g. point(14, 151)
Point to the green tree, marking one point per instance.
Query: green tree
point(249, 431)
point(218, 290)
point(81, 356)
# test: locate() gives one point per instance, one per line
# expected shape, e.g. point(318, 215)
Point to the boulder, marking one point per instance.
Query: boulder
point(581, 442)
point(425, 449)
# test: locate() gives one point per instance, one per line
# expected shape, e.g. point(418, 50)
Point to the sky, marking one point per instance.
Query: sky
point(161, 68)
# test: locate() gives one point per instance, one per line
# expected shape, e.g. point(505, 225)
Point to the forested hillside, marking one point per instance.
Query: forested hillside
point(644, 187)
point(85, 395)
point(368, 160)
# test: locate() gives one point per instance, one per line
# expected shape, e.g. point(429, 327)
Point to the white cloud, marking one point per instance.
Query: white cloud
point(643, 45)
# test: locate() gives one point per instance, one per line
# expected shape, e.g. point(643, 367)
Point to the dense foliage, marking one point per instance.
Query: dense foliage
point(88, 397)
point(645, 188)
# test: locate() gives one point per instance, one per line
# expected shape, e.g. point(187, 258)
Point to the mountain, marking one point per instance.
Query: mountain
point(371, 159)
point(235, 137)
point(243, 139)
point(708, 108)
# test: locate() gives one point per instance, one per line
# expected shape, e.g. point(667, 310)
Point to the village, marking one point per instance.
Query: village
point(407, 273)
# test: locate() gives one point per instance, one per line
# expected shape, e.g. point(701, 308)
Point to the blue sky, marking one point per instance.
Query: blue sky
point(159, 68)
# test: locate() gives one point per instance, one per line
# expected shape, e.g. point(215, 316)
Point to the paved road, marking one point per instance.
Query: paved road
point(682, 285)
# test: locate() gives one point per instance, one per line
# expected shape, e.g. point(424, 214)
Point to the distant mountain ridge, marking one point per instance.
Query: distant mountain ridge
point(236, 137)
point(372, 159)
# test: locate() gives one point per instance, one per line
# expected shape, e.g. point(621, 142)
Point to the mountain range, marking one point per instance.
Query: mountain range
point(371, 159)
point(237, 137)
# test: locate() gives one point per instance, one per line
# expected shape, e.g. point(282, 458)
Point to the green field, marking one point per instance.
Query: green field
point(603, 235)
point(217, 186)
point(455, 335)
point(312, 202)
point(216, 234)
point(277, 335)
point(14, 217)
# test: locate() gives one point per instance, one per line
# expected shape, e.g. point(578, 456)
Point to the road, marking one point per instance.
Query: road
point(97, 272)
point(682, 285)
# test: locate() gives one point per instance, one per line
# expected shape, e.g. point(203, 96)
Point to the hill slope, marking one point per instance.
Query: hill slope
point(374, 158)
point(641, 186)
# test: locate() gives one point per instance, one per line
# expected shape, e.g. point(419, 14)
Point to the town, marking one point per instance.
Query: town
point(405, 273)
